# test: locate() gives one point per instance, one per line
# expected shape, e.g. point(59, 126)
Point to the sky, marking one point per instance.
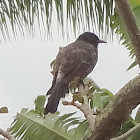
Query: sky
point(25, 71)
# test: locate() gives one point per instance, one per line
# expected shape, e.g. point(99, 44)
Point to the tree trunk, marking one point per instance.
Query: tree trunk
point(129, 96)
point(118, 109)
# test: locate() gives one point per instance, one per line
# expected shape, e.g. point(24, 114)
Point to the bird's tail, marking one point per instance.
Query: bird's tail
point(57, 91)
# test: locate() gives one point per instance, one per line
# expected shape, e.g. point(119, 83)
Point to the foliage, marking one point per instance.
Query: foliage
point(84, 14)
point(98, 16)
point(118, 26)
point(100, 99)
point(136, 135)
point(32, 125)
point(127, 125)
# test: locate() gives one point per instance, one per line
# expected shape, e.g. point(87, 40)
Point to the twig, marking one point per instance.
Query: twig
point(128, 133)
point(78, 106)
point(84, 107)
point(88, 112)
point(6, 134)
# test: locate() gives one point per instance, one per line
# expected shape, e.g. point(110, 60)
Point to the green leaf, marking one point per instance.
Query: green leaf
point(39, 104)
point(137, 117)
point(101, 98)
point(107, 92)
point(125, 126)
point(97, 101)
point(134, 3)
point(82, 128)
point(136, 11)
point(132, 65)
point(30, 125)
point(136, 135)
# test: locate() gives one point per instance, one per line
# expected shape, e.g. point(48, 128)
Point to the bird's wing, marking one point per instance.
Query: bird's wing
point(75, 56)
point(75, 60)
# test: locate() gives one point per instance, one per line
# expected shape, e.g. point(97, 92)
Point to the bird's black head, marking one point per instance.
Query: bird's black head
point(90, 38)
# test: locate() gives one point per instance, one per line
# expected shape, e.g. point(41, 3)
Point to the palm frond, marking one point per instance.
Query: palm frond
point(32, 125)
point(118, 26)
point(29, 125)
point(84, 14)
point(90, 15)
point(97, 16)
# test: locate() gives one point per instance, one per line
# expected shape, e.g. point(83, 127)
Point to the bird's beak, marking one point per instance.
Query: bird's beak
point(101, 41)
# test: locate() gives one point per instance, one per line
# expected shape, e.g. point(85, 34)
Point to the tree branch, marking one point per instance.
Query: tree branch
point(6, 134)
point(84, 107)
point(88, 111)
point(131, 25)
point(128, 133)
point(117, 110)
point(129, 96)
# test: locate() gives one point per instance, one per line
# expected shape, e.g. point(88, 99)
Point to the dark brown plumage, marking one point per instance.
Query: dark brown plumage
point(75, 60)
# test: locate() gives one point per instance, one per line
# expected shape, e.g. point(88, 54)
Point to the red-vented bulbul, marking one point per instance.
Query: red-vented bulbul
point(75, 60)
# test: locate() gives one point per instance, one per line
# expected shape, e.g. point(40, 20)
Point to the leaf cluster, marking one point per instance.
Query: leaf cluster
point(33, 125)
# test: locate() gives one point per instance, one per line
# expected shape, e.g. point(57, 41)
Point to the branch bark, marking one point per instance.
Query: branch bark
point(84, 107)
point(6, 134)
point(117, 110)
point(131, 25)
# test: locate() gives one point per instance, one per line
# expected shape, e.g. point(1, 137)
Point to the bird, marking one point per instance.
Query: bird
point(75, 60)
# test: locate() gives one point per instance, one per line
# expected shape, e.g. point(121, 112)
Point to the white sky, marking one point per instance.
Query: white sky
point(25, 71)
